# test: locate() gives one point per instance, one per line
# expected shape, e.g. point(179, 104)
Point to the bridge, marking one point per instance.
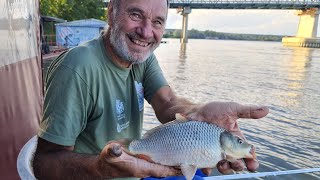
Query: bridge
point(245, 4)
point(308, 10)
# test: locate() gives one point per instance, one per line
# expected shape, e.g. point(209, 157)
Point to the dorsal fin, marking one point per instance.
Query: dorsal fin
point(180, 117)
point(153, 130)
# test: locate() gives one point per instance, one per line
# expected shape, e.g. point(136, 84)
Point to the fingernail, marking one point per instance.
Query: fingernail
point(116, 150)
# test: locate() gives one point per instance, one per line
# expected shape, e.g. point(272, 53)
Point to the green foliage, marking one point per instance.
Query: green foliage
point(73, 9)
point(177, 33)
point(196, 34)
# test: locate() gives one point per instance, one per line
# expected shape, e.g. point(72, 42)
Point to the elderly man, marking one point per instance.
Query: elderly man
point(95, 94)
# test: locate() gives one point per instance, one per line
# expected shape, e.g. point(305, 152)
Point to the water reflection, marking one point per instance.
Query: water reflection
point(297, 69)
point(301, 58)
point(183, 50)
point(181, 66)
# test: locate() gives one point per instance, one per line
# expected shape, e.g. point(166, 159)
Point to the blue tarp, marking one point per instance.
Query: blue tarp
point(198, 176)
point(73, 33)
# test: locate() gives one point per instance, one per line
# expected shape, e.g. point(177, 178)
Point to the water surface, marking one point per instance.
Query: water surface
point(263, 73)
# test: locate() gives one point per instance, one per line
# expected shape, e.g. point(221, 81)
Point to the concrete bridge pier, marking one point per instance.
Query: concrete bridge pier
point(308, 24)
point(307, 30)
point(185, 11)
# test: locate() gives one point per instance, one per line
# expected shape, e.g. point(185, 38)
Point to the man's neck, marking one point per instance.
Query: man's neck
point(114, 57)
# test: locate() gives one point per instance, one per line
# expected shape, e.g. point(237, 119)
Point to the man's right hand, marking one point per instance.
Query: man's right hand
point(113, 159)
point(113, 162)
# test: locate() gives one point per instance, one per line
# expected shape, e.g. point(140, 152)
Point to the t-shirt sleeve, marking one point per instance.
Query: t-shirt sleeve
point(153, 79)
point(66, 107)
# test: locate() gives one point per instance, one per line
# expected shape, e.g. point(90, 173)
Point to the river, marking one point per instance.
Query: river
point(287, 80)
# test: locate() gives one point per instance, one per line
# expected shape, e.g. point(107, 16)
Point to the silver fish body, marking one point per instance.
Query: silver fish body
point(173, 144)
point(190, 145)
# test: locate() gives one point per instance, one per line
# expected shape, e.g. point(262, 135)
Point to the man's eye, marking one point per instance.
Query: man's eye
point(135, 16)
point(158, 24)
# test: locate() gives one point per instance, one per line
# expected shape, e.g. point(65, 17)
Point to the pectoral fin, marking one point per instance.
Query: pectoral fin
point(180, 118)
point(188, 171)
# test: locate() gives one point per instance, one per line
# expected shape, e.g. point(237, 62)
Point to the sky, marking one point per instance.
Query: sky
point(273, 22)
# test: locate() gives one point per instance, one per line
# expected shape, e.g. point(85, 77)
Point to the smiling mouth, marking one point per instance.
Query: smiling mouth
point(138, 42)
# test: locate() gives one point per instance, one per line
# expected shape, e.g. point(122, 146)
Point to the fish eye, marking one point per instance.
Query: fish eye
point(240, 141)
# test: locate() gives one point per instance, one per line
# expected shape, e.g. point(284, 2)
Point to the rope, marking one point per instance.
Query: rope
point(262, 174)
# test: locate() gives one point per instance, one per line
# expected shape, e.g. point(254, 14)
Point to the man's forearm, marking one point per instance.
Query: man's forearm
point(175, 105)
point(65, 164)
point(166, 104)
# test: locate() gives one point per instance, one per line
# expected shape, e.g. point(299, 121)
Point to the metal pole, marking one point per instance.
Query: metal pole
point(262, 174)
point(185, 12)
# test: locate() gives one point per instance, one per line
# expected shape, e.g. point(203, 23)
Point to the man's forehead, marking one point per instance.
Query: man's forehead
point(158, 2)
point(155, 7)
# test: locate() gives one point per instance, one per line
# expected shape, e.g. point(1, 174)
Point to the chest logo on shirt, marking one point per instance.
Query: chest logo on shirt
point(121, 120)
point(140, 94)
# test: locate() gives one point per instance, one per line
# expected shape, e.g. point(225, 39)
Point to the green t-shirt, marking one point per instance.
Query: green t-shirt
point(90, 101)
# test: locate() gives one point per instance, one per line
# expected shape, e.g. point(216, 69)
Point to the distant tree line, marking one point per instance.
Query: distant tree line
point(73, 9)
point(196, 34)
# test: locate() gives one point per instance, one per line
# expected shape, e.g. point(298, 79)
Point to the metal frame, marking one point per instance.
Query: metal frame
point(244, 4)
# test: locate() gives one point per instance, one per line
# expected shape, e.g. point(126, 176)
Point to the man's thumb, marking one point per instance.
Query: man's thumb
point(253, 112)
point(114, 150)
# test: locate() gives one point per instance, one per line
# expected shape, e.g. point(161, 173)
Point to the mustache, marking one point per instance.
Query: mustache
point(134, 35)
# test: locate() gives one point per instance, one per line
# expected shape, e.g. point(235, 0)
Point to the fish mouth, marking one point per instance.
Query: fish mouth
point(252, 153)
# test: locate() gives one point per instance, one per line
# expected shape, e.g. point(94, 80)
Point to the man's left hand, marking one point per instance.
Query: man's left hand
point(225, 115)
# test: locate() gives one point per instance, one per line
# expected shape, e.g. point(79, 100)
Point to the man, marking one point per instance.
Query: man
point(95, 94)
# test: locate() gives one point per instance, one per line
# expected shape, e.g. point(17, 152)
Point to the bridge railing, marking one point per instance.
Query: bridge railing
point(244, 4)
point(304, 2)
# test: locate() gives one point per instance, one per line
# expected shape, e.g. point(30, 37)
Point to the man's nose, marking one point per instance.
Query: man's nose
point(145, 30)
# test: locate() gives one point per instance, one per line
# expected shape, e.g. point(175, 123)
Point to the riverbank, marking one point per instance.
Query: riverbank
point(196, 34)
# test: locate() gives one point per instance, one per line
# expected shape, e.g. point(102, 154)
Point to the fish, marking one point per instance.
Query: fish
point(189, 145)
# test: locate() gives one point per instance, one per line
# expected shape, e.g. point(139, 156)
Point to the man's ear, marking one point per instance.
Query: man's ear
point(110, 12)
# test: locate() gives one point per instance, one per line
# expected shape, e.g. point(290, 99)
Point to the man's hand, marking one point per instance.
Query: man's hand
point(113, 158)
point(225, 115)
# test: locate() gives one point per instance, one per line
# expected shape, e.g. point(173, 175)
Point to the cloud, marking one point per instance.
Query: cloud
point(277, 22)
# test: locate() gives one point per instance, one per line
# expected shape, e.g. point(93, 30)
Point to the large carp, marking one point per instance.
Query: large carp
point(190, 145)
